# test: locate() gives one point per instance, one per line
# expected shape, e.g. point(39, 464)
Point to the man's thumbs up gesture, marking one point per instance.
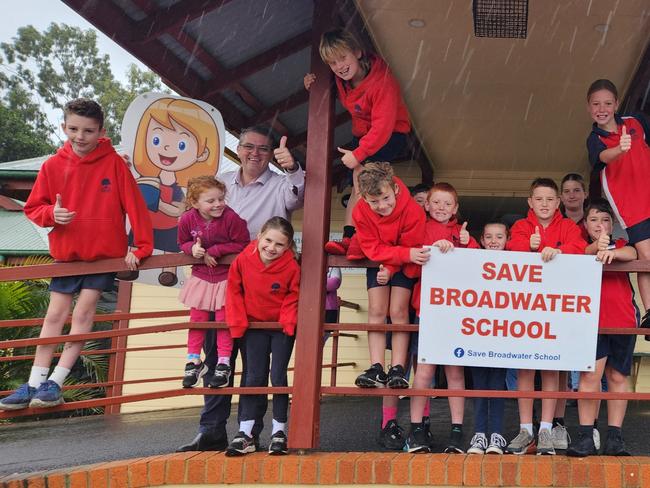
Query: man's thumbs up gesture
point(62, 215)
point(535, 239)
point(283, 156)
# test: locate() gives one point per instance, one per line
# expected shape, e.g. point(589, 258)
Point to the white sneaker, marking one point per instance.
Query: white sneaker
point(597, 439)
point(497, 444)
point(560, 436)
point(478, 444)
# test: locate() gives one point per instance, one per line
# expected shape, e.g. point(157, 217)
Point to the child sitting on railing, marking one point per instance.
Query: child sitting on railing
point(83, 192)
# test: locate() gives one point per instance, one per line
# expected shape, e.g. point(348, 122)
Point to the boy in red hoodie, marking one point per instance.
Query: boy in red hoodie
point(544, 230)
point(83, 192)
point(390, 229)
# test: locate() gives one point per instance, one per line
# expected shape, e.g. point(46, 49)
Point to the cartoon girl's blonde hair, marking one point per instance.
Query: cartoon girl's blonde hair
point(193, 118)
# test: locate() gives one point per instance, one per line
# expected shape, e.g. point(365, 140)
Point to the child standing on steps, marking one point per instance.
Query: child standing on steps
point(443, 231)
point(263, 284)
point(83, 192)
point(380, 121)
point(488, 412)
point(208, 230)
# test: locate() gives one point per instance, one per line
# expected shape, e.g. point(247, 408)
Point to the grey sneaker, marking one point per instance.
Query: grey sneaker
point(524, 443)
point(597, 439)
point(561, 437)
point(497, 444)
point(545, 443)
point(478, 444)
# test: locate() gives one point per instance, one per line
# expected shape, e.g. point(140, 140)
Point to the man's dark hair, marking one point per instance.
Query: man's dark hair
point(84, 107)
point(263, 130)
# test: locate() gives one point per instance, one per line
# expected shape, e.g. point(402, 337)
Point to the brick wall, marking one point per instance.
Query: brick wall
point(198, 468)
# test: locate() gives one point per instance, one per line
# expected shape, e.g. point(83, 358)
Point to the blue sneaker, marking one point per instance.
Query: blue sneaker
point(47, 395)
point(18, 399)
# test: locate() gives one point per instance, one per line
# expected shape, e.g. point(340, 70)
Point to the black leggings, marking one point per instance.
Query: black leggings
point(266, 349)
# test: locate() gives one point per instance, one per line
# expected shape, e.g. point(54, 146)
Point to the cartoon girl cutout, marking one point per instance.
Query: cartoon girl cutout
point(176, 140)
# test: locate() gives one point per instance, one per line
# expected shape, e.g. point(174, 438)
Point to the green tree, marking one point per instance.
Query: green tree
point(62, 63)
point(20, 140)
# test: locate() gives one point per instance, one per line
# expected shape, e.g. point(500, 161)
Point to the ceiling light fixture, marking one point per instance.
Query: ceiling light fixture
point(417, 23)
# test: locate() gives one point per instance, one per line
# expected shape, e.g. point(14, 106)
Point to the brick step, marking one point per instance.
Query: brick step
point(198, 468)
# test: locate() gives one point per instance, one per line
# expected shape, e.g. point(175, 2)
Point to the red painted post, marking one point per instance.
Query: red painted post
point(304, 421)
point(116, 361)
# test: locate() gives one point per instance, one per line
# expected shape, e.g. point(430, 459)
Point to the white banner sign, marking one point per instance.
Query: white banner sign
point(509, 310)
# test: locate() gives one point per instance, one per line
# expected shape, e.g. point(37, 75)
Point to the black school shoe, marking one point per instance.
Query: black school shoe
point(583, 446)
point(615, 445)
point(205, 441)
point(391, 437)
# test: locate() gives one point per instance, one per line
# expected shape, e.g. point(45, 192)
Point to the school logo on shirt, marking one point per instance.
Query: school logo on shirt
point(106, 185)
point(357, 108)
point(275, 288)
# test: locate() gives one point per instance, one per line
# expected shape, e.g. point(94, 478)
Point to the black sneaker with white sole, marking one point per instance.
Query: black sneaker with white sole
point(455, 442)
point(278, 445)
point(193, 373)
point(397, 377)
point(373, 377)
point(392, 436)
point(221, 376)
point(417, 440)
point(240, 445)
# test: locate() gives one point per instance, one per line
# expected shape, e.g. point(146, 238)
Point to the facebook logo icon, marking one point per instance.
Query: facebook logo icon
point(459, 352)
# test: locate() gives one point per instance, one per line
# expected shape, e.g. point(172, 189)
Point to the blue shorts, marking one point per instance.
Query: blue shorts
point(638, 232)
point(74, 284)
point(398, 279)
point(618, 349)
point(394, 148)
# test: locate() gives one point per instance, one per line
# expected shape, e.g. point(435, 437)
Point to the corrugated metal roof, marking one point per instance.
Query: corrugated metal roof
point(21, 235)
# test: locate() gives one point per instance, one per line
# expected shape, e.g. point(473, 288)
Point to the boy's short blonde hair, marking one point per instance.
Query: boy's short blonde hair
point(334, 44)
point(373, 177)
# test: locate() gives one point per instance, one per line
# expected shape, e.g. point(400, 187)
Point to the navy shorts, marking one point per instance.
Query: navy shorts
point(394, 148)
point(74, 284)
point(398, 279)
point(618, 349)
point(638, 232)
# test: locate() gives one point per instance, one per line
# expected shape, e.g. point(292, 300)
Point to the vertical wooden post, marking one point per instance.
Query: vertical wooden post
point(304, 422)
point(116, 360)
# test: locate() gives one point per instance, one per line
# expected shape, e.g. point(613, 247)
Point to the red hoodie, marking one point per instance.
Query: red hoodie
point(561, 233)
point(388, 240)
point(435, 231)
point(261, 293)
point(376, 107)
point(101, 190)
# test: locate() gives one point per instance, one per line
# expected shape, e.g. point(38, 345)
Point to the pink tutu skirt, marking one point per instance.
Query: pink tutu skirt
point(203, 295)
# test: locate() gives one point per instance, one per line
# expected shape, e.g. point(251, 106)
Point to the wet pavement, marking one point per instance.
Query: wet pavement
point(347, 424)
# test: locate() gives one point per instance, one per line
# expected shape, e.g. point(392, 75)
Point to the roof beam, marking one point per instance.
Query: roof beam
point(292, 101)
point(111, 20)
point(169, 20)
point(261, 61)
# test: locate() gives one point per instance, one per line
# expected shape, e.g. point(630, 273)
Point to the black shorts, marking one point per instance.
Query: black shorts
point(74, 284)
point(398, 279)
point(618, 349)
point(638, 232)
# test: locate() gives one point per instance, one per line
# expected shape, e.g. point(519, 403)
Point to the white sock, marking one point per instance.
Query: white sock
point(246, 426)
point(528, 427)
point(545, 425)
point(279, 426)
point(37, 376)
point(59, 375)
